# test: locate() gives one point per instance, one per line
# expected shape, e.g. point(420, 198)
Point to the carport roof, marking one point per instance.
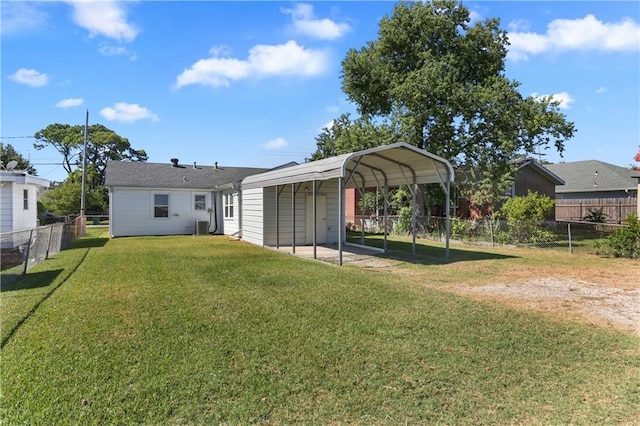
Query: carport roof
point(389, 165)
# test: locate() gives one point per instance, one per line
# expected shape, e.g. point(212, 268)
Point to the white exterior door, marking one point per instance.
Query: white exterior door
point(321, 219)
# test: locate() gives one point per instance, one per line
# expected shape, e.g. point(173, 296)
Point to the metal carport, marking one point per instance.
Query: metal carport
point(385, 166)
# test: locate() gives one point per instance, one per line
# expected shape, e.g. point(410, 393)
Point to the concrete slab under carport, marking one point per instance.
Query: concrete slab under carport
point(330, 253)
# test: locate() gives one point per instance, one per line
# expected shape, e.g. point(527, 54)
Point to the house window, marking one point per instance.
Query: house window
point(161, 205)
point(228, 205)
point(25, 199)
point(199, 202)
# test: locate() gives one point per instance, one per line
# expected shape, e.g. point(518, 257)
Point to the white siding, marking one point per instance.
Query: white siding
point(252, 216)
point(330, 190)
point(131, 212)
point(6, 207)
point(231, 224)
point(259, 214)
point(24, 219)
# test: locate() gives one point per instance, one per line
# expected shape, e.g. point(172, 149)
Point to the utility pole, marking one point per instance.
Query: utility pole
point(84, 169)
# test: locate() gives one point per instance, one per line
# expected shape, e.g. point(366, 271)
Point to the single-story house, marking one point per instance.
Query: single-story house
point(172, 198)
point(594, 185)
point(18, 200)
point(287, 206)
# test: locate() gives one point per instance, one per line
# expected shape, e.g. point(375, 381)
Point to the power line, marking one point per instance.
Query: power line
point(17, 137)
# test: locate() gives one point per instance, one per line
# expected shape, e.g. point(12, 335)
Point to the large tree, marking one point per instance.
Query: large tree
point(8, 153)
point(440, 82)
point(345, 135)
point(103, 144)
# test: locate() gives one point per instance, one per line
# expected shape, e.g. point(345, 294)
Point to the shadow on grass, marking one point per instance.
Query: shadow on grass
point(25, 282)
point(426, 254)
point(29, 281)
point(89, 242)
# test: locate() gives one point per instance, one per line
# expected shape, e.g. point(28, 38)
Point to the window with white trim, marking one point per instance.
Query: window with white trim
point(199, 202)
point(228, 205)
point(160, 205)
point(25, 199)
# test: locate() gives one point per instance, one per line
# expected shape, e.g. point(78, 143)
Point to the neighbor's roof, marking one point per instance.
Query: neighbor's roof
point(165, 175)
point(593, 175)
point(530, 162)
point(22, 178)
point(390, 165)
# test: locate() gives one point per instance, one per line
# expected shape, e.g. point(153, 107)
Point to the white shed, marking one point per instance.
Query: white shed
point(18, 200)
point(304, 204)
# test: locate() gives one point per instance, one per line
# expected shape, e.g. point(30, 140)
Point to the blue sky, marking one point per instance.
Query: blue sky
point(253, 83)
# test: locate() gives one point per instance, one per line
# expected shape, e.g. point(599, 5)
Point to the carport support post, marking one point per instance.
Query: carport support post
point(340, 218)
point(448, 220)
point(315, 216)
point(277, 217)
point(385, 201)
point(293, 217)
point(413, 217)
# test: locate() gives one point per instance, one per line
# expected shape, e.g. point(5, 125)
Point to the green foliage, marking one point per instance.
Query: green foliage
point(525, 217)
point(64, 199)
point(371, 202)
point(403, 225)
point(8, 153)
point(103, 145)
point(595, 216)
point(460, 228)
point(439, 84)
point(625, 242)
point(345, 136)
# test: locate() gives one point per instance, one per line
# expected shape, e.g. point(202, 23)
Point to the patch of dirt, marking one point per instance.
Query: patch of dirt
point(619, 307)
point(605, 292)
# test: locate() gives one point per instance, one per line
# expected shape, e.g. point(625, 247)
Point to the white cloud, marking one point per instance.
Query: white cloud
point(588, 33)
point(328, 126)
point(563, 98)
point(602, 89)
point(105, 18)
point(306, 24)
point(289, 59)
point(474, 16)
point(110, 50)
point(276, 143)
point(127, 113)
point(70, 103)
point(30, 77)
point(21, 17)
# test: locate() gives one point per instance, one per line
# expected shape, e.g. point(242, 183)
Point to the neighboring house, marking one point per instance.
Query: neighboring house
point(170, 198)
point(594, 185)
point(18, 200)
point(531, 176)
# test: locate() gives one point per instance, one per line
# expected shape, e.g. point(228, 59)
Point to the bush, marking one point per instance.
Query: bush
point(403, 226)
point(625, 242)
point(596, 216)
point(525, 216)
point(460, 228)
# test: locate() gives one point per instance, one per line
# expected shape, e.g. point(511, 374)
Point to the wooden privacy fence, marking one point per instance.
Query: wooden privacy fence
point(615, 210)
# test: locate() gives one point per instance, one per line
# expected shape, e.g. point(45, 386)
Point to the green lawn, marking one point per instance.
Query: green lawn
point(203, 330)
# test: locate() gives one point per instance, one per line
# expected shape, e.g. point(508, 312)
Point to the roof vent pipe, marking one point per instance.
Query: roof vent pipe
point(215, 166)
point(194, 165)
point(174, 162)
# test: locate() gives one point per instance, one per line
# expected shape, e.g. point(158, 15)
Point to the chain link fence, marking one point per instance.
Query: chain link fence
point(572, 236)
point(22, 250)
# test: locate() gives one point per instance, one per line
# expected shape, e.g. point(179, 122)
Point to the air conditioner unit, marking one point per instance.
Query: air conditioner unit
point(202, 227)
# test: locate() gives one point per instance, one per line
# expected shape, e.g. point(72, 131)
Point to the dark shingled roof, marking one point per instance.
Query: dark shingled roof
point(580, 176)
point(165, 175)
